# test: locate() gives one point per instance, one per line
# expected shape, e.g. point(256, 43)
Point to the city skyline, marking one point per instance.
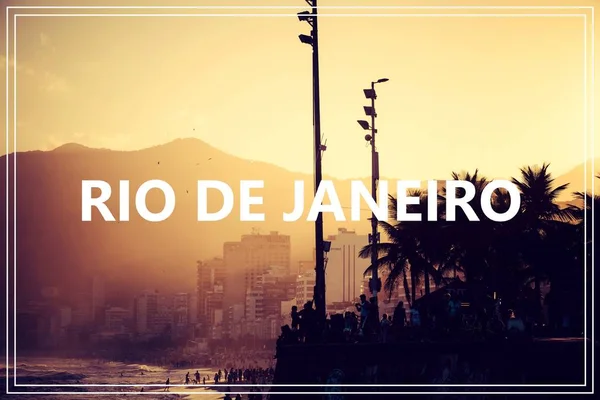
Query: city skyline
point(436, 104)
point(218, 305)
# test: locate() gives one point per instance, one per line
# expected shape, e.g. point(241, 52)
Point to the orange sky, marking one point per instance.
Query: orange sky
point(464, 92)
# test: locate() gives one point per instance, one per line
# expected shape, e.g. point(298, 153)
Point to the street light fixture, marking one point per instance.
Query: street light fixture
point(313, 40)
point(375, 282)
point(370, 111)
point(365, 125)
point(370, 93)
point(306, 39)
point(304, 16)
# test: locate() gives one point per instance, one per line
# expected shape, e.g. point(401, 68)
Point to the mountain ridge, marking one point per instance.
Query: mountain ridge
point(55, 248)
point(71, 147)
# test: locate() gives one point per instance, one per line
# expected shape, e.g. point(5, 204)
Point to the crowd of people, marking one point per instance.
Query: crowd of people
point(255, 376)
point(364, 325)
point(251, 376)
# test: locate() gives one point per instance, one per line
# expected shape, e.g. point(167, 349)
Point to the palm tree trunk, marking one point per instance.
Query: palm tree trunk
point(413, 284)
point(427, 283)
point(407, 290)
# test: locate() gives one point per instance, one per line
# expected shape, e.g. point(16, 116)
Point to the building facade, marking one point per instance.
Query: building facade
point(247, 261)
point(305, 289)
point(345, 269)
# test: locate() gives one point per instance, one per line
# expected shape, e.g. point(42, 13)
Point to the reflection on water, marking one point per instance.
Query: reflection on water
point(56, 371)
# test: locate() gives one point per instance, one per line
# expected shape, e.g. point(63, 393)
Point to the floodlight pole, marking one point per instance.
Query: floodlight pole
point(374, 283)
point(374, 178)
point(320, 303)
point(313, 40)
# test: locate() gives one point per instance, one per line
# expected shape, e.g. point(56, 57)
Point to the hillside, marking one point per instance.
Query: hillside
point(575, 179)
point(54, 248)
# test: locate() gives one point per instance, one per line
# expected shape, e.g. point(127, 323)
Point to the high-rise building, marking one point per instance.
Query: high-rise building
point(305, 289)
point(218, 272)
point(276, 286)
point(153, 313)
point(194, 309)
point(305, 267)
point(264, 251)
point(247, 260)
point(286, 310)
point(234, 320)
point(254, 304)
point(234, 259)
point(215, 305)
point(345, 269)
point(145, 307)
point(116, 319)
point(210, 273)
point(181, 307)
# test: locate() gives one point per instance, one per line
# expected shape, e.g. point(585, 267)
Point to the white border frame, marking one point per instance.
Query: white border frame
point(587, 130)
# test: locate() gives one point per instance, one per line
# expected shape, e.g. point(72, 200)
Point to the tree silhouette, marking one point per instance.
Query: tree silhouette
point(543, 242)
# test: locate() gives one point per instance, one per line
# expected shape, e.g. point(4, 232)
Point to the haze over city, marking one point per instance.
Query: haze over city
point(462, 94)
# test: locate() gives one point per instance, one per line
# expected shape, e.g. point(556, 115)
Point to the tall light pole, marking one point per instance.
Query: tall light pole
point(313, 40)
point(375, 283)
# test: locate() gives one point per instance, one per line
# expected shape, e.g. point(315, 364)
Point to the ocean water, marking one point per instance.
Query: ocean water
point(127, 379)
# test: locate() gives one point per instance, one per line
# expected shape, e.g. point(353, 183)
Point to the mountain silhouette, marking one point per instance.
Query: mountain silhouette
point(55, 248)
point(575, 179)
point(73, 148)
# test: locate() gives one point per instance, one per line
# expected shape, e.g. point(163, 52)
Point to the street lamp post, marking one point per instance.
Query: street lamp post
point(375, 283)
point(313, 40)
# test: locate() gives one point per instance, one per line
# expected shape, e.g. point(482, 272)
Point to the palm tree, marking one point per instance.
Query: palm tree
point(583, 212)
point(409, 250)
point(539, 198)
point(539, 215)
point(392, 257)
point(541, 242)
point(468, 243)
point(504, 259)
point(586, 222)
point(422, 243)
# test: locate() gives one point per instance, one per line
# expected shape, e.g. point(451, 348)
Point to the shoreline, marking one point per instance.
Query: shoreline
point(120, 378)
